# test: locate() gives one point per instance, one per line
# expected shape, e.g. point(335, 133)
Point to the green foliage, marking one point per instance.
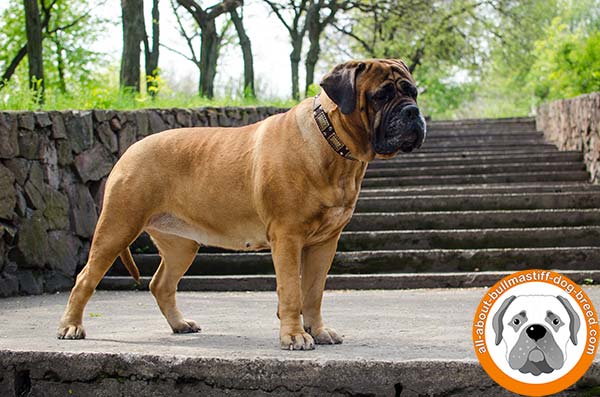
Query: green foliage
point(70, 32)
point(567, 63)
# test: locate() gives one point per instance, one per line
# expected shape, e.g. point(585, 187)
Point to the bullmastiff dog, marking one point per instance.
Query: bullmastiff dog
point(537, 331)
point(289, 183)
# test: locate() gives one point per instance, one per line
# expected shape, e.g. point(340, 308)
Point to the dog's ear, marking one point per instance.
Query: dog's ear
point(497, 321)
point(340, 85)
point(575, 323)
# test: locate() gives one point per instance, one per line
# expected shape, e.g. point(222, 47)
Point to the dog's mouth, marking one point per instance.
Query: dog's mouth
point(536, 363)
point(401, 130)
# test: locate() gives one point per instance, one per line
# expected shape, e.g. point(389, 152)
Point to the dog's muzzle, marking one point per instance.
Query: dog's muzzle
point(402, 129)
point(536, 351)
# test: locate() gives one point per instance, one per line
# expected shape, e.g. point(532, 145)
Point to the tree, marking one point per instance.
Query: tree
point(209, 39)
point(34, 48)
point(246, 47)
point(133, 34)
point(151, 51)
point(68, 29)
point(296, 28)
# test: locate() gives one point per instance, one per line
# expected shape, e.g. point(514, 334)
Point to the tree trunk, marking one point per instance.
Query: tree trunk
point(295, 57)
point(209, 51)
point(246, 47)
point(133, 34)
point(312, 57)
point(34, 47)
point(60, 65)
point(151, 53)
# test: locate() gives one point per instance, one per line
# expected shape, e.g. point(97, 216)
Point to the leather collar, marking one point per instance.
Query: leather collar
point(328, 131)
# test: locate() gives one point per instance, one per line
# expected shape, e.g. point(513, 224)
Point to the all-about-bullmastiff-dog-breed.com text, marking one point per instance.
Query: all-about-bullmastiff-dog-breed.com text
point(289, 183)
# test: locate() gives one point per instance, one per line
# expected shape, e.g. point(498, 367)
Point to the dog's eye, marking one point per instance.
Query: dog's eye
point(385, 93)
point(409, 89)
point(516, 321)
point(556, 321)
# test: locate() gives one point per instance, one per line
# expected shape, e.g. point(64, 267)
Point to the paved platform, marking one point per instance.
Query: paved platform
point(412, 342)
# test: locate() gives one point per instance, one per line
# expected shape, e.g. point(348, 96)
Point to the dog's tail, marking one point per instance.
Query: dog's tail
point(130, 265)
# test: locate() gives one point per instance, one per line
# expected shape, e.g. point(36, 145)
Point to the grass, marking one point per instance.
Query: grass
point(13, 97)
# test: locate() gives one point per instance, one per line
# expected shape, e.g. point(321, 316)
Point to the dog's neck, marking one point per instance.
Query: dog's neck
point(349, 128)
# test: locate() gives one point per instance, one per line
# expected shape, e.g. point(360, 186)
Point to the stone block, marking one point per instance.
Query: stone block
point(80, 131)
point(127, 137)
point(57, 281)
point(30, 144)
point(9, 136)
point(57, 209)
point(32, 241)
point(83, 210)
point(142, 123)
point(64, 251)
point(94, 164)
point(155, 121)
point(35, 187)
point(42, 119)
point(63, 152)
point(108, 137)
point(20, 169)
point(26, 121)
point(8, 194)
point(59, 130)
point(30, 282)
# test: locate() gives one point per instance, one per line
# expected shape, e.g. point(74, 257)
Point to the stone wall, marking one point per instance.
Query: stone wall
point(574, 124)
point(53, 166)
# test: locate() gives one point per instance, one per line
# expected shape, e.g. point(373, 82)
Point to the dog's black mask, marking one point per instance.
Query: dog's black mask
point(401, 126)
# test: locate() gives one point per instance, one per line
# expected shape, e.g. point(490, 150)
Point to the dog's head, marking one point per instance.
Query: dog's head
point(536, 330)
point(377, 97)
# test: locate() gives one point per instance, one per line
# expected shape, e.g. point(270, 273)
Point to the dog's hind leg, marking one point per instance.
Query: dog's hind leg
point(177, 255)
point(114, 233)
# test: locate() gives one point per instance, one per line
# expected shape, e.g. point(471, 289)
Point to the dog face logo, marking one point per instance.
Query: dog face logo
point(537, 331)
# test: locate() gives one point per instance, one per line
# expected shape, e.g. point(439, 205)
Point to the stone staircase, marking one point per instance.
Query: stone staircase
point(481, 195)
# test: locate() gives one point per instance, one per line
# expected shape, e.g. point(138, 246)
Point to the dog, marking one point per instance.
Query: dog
point(536, 330)
point(289, 183)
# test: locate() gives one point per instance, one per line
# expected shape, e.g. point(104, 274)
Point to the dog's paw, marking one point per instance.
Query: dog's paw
point(326, 336)
point(297, 341)
point(71, 332)
point(186, 327)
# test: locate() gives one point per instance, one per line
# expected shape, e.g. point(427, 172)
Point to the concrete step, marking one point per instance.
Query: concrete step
point(500, 134)
point(410, 239)
point(442, 143)
point(443, 220)
point(480, 202)
point(518, 147)
point(458, 159)
point(470, 238)
point(392, 261)
point(411, 342)
point(385, 281)
point(509, 177)
point(533, 187)
point(484, 138)
point(474, 169)
point(528, 151)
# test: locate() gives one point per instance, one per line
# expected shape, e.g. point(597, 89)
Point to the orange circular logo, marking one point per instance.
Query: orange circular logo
point(535, 332)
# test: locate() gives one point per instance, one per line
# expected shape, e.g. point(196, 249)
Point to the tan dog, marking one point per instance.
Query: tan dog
point(277, 184)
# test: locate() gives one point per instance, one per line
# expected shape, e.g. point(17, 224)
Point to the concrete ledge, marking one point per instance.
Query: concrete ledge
point(405, 343)
point(98, 374)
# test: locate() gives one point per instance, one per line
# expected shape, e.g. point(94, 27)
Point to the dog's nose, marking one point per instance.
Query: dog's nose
point(536, 332)
point(409, 112)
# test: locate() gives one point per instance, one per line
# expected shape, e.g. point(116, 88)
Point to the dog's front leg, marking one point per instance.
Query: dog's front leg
point(316, 263)
point(287, 253)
